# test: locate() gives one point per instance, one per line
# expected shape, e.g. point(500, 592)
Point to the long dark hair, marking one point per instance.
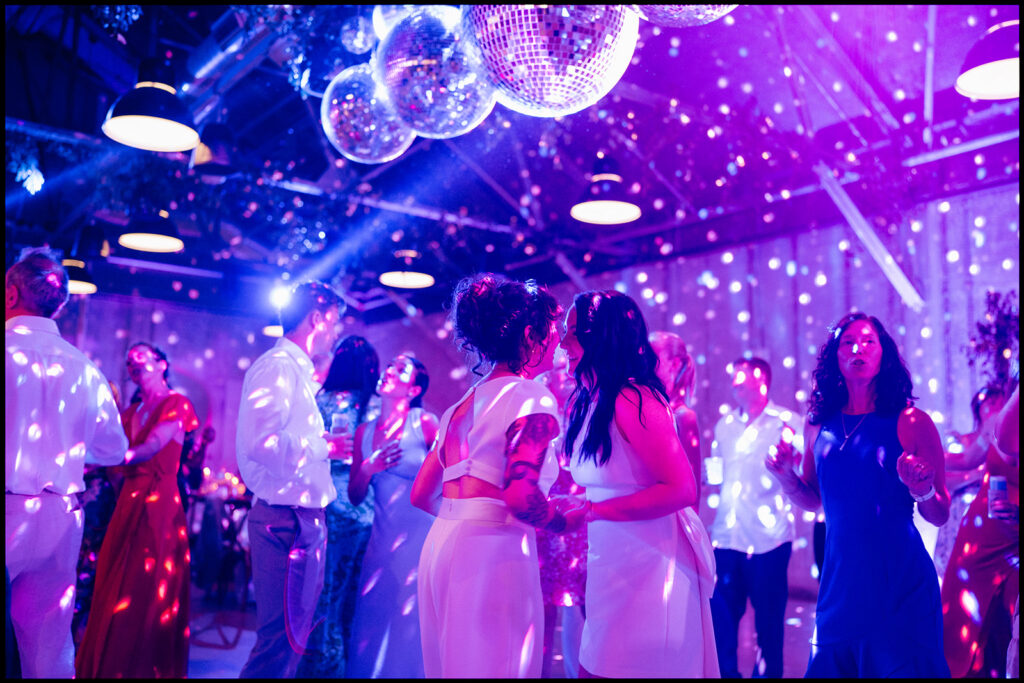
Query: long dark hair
point(893, 386)
point(616, 356)
point(356, 368)
point(491, 314)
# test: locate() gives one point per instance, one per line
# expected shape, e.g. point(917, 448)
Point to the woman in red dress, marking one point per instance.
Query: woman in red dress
point(138, 626)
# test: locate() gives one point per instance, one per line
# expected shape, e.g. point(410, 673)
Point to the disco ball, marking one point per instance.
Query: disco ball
point(360, 121)
point(430, 75)
point(386, 16)
point(357, 35)
point(683, 15)
point(552, 60)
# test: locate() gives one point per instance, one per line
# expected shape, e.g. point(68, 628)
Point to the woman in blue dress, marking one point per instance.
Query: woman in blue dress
point(871, 456)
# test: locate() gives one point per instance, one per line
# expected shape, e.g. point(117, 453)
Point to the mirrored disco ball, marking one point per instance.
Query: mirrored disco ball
point(360, 121)
point(683, 15)
point(430, 75)
point(386, 16)
point(357, 35)
point(552, 60)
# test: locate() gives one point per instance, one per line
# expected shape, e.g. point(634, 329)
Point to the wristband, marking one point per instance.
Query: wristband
point(927, 496)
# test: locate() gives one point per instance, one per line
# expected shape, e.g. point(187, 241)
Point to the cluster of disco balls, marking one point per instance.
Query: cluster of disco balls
point(437, 70)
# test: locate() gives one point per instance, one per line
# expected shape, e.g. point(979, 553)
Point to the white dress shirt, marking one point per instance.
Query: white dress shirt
point(753, 515)
point(281, 450)
point(60, 412)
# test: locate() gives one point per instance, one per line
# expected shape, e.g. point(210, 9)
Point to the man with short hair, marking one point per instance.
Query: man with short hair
point(753, 529)
point(283, 454)
point(60, 415)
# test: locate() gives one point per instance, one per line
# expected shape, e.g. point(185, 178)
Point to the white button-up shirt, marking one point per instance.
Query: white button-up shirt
point(60, 412)
point(281, 450)
point(753, 515)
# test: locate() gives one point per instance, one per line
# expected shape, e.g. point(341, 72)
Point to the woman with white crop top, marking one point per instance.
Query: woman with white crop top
point(480, 603)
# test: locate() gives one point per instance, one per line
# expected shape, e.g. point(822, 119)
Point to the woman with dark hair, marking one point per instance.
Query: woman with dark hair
point(870, 456)
point(965, 468)
point(344, 399)
point(981, 586)
point(138, 623)
point(387, 455)
point(650, 565)
point(481, 610)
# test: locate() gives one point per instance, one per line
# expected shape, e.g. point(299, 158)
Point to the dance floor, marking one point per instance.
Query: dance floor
point(224, 633)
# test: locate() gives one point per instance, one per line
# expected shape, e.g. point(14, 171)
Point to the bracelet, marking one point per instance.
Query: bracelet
point(927, 496)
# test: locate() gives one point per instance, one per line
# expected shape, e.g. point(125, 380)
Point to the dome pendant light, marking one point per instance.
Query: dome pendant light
point(605, 201)
point(991, 70)
point(153, 233)
point(404, 275)
point(150, 116)
point(79, 280)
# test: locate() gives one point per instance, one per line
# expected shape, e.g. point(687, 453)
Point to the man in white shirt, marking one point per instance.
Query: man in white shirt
point(60, 415)
point(283, 454)
point(753, 529)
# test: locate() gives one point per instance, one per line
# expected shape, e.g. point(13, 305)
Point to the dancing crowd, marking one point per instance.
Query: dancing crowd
point(388, 542)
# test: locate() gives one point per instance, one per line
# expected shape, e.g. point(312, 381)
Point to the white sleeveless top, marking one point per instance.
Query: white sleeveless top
point(497, 403)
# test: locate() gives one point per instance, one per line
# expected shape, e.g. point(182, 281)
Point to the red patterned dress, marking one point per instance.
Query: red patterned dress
point(138, 625)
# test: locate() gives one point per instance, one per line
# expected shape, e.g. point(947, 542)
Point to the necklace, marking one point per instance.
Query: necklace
point(846, 437)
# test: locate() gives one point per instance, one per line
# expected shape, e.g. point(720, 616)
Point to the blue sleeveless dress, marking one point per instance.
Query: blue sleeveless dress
point(879, 612)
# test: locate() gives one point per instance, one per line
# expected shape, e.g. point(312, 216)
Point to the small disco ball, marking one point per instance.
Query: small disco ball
point(431, 77)
point(552, 60)
point(357, 35)
point(359, 119)
point(386, 16)
point(683, 15)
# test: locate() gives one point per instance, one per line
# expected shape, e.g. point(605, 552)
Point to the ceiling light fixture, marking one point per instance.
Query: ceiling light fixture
point(403, 275)
point(605, 201)
point(991, 70)
point(79, 280)
point(154, 233)
point(212, 157)
point(150, 116)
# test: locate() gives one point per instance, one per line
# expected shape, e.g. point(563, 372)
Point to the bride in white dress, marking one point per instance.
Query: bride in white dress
point(650, 565)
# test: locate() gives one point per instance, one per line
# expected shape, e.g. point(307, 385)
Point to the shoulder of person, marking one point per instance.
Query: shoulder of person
point(634, 396)
point(531, 390)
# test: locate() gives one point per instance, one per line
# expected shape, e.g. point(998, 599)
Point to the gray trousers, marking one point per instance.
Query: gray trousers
point(288, 546)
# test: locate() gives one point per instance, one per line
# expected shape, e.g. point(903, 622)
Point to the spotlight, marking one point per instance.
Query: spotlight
point(280, 296)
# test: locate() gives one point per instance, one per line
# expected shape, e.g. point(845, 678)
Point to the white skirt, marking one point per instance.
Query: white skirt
point(480, 603)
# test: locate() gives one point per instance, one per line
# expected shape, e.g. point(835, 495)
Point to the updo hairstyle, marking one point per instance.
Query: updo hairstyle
point(491, 313)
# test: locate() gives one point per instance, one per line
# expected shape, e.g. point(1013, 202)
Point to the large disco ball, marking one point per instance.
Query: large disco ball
point(430, 75)
point(386, 16)
point(683, 15)
point(360, 121)
point(552, 60)
point(357, 35)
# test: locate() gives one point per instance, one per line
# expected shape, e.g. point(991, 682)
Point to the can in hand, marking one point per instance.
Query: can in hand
point(996, 493)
